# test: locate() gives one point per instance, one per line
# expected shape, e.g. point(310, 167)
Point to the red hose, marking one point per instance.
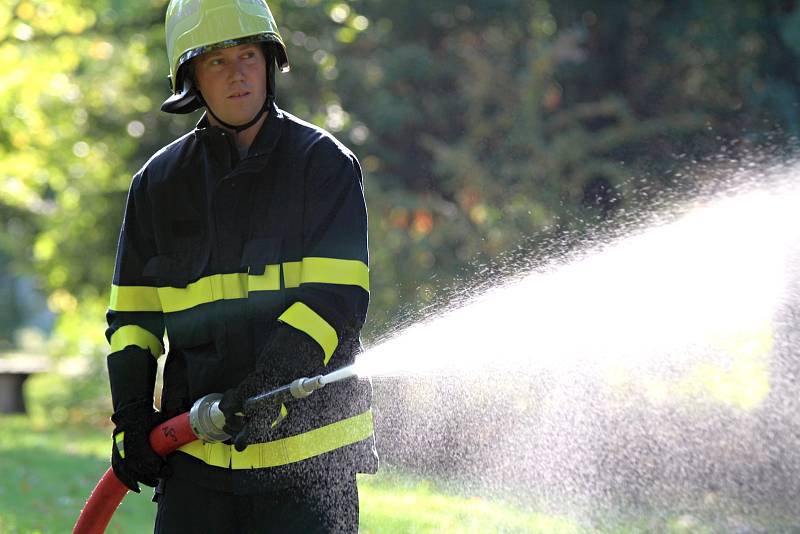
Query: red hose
point(109, 492)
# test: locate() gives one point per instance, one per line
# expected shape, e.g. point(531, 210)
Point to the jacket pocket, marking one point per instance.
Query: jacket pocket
point(175, 270)
point(260, 252)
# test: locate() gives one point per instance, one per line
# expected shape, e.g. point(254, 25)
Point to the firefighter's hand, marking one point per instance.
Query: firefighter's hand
point(246, 428)
point(286, 344)
point(132, 458)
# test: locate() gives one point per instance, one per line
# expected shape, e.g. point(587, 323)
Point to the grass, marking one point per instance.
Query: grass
point(47, 470)
point(390, 503)
point(46, 474)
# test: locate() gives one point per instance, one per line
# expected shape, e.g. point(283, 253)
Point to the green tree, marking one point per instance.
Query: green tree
point(479, 125)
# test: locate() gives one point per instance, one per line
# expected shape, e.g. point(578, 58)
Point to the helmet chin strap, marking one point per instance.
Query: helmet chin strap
point(242, 127)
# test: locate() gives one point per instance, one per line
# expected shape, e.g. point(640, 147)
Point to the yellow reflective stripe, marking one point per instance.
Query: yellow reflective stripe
point(287, 450)
point(237, 285)
point(218, 287)
point(281, 416)
point(335, 271)
point(207, 289)
point(132, 334)
point(119, 441)
point(134, 299)
point(269, 281)
point(291, 273)
point(217, 454)
point(307, 320)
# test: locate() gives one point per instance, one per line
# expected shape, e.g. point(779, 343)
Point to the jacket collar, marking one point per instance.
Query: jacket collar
point(266, 138)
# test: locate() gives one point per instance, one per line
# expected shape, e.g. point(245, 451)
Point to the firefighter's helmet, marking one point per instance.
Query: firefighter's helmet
point(194, 27)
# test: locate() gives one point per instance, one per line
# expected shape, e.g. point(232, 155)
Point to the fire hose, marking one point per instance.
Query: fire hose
point(203, 421)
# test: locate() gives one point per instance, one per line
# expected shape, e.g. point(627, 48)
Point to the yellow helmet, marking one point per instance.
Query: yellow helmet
point(194, 27)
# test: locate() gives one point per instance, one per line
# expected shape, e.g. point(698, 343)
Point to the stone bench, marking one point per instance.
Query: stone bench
point(14, 370)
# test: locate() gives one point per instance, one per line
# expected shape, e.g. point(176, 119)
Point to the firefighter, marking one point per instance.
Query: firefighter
point(246, 240)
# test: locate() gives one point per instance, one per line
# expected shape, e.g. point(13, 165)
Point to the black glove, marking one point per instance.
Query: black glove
point(246, 428)
point(288, 355)
point(132, 458)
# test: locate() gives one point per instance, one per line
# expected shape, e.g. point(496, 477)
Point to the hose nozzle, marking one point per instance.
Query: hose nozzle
point(303, 387)
point(299, 389)
point(207, 420)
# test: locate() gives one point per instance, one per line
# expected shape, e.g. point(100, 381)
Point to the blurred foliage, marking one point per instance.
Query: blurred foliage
point(479, 125)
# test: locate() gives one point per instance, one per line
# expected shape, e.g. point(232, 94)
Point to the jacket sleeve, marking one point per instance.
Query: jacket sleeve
point(323, 322)
point(135, 321)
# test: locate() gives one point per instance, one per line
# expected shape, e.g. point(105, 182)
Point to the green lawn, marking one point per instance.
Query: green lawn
point(46, 473)
point(48, 470)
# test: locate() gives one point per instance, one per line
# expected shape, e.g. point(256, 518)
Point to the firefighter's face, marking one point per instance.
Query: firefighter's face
point(233, 81)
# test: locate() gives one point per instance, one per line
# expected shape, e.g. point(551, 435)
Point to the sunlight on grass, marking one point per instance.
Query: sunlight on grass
point(48, 471)
point(386, 507)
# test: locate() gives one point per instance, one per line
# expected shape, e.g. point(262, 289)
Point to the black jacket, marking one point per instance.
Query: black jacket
point(259, 257)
